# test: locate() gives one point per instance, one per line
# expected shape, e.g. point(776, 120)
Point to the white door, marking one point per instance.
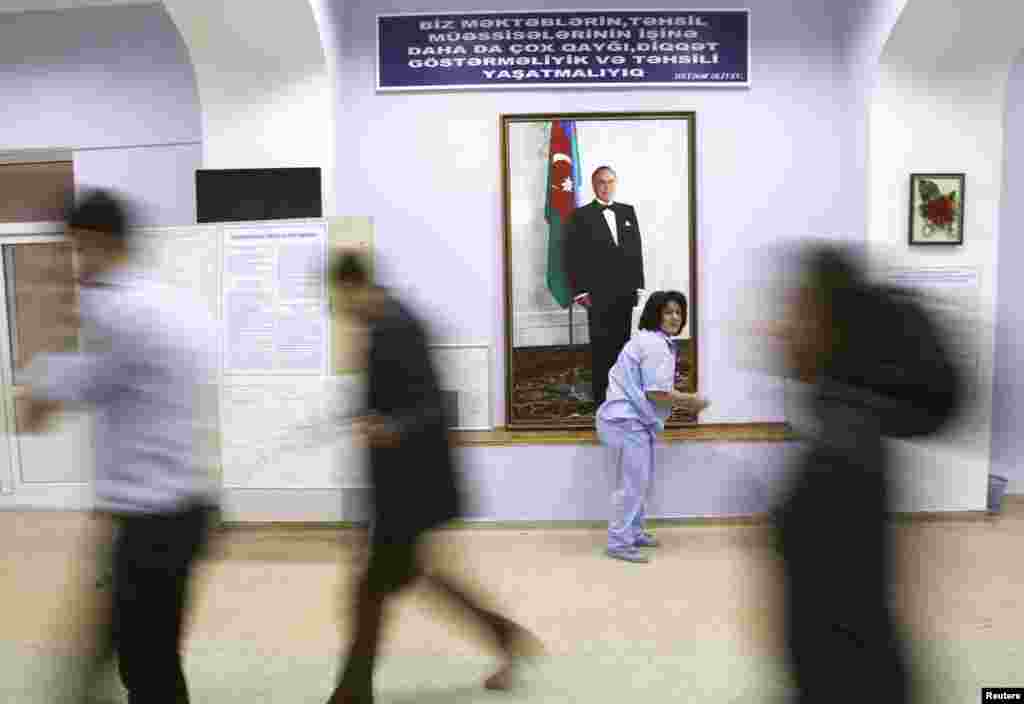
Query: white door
point(51, 469)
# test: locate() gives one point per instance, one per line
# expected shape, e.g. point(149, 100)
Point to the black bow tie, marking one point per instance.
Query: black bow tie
point(604, 207)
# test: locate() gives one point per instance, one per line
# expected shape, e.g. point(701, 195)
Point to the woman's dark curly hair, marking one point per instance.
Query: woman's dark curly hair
point(655, 307)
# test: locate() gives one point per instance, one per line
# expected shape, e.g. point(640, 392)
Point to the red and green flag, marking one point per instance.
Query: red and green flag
point(560, 202)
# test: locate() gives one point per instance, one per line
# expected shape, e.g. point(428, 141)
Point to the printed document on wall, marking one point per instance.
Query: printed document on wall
point(275, 299)
point(184, 257)
point(953, 295)
point(292, 433)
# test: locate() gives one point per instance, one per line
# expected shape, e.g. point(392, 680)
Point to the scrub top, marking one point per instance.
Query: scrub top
point(646, 363)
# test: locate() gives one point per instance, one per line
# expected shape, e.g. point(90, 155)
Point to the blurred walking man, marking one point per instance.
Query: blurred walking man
point(151, 387)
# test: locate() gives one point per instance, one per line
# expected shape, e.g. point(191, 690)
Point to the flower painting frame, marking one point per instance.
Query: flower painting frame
point(936, 209)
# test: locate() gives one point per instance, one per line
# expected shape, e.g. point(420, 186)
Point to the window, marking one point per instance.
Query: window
point(35, 192)
point(42, 299)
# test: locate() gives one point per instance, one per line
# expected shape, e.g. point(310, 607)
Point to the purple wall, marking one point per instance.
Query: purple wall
point(1008, 384)
point(159, 180)
point(573, 483)
point(783, 158)
point(426, 166)
point(113, 85)
point(95, 77)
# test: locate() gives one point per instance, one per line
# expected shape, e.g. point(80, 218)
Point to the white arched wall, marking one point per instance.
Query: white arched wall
point(867, 28)
point(265, 88)
point(266, 77)
point(1008, 386)
point(938, 106)
point(112, 90)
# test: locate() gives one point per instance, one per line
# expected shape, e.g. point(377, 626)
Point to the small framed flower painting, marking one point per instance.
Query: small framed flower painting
point(936, 209)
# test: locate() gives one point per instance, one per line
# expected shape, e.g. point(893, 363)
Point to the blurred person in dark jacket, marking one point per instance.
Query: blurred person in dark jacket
point(414, 480)
point(151, 382)
point(874, 367)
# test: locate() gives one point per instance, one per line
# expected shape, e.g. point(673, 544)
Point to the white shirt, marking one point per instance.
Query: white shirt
point(152, 387)
point(609, 217)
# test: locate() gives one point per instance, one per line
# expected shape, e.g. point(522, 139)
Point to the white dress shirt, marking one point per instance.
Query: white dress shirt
point(152, 386)
point(609, 217)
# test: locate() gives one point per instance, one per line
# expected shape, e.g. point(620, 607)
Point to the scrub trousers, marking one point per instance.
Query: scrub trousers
point(632, 446)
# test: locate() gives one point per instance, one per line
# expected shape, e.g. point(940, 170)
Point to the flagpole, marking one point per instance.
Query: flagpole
point(575, 379)
point(561, 200)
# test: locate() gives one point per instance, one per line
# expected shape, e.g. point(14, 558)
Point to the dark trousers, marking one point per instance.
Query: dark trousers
point(394, 565)
point(841, 635)
point(152, 560)
point(609, 322)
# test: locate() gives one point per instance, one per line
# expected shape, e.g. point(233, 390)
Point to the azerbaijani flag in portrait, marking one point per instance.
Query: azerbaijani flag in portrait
point(560, 201)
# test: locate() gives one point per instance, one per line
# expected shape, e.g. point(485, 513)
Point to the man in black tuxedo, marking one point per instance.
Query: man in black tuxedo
point(605, 268)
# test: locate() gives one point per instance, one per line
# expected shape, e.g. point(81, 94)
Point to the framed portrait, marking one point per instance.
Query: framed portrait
point(599, 213)
point(936, 209)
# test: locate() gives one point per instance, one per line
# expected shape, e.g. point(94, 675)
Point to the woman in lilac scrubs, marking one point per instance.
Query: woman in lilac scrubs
point(641, 395)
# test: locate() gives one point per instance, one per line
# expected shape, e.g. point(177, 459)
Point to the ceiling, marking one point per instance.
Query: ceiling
point(50, 5)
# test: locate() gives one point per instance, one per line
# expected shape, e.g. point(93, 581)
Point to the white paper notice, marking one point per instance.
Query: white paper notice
point(952, 294)
point(301, 336)
point(465, 376)
point(250, 341)
point(952, 281)
point(275, 299)
point(184, 257)
point(290, 433)
point(300, 269)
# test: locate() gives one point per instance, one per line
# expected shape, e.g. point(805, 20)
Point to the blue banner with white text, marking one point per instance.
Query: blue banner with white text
point(547, 49)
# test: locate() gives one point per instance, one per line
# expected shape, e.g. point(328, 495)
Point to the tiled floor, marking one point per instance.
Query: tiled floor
point(699, 623)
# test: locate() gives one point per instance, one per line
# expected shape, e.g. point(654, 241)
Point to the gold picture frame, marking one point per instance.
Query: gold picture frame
point(547, 347)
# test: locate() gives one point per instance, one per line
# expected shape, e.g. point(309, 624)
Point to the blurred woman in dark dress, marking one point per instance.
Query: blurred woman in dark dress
point(414, 479)
point(870, 376)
